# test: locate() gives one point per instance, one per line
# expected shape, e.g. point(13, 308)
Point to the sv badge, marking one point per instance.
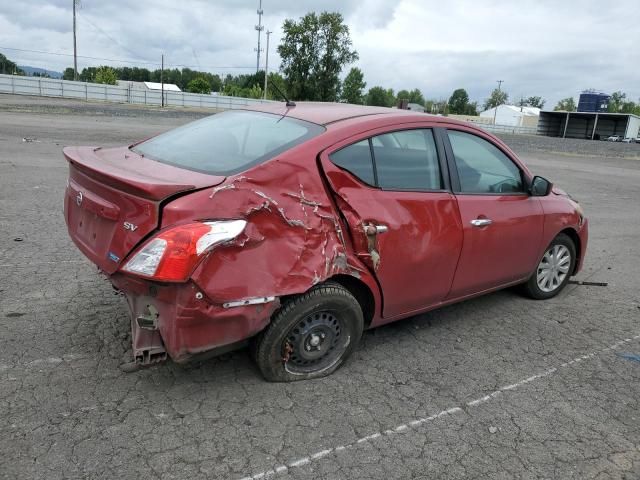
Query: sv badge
point(130, 226)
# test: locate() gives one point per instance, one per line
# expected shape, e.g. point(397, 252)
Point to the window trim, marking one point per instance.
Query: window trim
point(453, 169)
point(369, 135)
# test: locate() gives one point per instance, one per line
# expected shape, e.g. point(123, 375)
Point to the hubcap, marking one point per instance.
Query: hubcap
point(553, 268)
point(315, 342)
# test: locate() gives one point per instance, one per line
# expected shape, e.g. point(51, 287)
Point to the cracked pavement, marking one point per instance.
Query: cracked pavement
point(67, 411)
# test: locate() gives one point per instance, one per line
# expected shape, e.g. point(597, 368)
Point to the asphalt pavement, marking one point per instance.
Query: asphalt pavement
point(497, 387)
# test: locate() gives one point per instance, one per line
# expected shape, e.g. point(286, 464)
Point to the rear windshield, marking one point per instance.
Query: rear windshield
point(229, 142)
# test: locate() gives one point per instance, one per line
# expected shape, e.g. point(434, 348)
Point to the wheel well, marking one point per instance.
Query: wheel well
point(573, 235)
point(361, 291)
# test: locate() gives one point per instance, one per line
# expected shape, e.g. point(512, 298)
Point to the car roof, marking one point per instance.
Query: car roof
point(325, 113)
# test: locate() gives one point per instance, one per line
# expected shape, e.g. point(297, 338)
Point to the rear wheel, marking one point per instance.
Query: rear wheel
point(554, 269)
point(310, 336)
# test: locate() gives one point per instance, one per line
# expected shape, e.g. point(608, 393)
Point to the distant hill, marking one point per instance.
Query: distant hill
point(41, 71)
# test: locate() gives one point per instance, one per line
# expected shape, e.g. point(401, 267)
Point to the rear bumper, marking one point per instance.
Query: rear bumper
point(179, 320)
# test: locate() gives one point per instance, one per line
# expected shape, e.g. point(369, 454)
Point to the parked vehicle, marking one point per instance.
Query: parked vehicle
point(628, 140)
point(614, 138)
point(296, 227)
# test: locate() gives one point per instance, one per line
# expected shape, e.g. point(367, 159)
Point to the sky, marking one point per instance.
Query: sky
point(548, 48)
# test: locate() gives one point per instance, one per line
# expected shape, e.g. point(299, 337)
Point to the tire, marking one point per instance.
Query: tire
point(321, 327)
point(543, 287)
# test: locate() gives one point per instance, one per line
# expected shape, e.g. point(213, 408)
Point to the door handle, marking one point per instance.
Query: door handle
point(376, 229)
point(481, 222)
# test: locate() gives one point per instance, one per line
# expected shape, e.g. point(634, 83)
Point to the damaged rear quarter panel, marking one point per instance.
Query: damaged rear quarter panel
point(294, 237)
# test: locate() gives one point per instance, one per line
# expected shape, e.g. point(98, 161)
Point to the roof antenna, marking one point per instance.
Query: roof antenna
point(289, 102)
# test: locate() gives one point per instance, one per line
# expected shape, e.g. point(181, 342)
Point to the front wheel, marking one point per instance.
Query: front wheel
point(310, 336)
point(554, 270)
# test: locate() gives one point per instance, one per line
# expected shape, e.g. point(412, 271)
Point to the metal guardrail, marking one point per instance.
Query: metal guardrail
point(508, 129)
point(51, 87)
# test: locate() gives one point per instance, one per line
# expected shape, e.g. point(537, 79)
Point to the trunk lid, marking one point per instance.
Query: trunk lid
point(113, 199)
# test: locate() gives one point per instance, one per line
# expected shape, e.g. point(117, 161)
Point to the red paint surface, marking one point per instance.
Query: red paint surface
point(306, 224)
point(503, 252)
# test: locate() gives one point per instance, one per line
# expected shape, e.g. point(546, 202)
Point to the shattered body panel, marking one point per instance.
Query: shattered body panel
point(186, 323)
point(293, 239)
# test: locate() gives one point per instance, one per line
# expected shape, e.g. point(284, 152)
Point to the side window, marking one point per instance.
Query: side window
point(482, 167)
point(407, 160)
point(356, 159)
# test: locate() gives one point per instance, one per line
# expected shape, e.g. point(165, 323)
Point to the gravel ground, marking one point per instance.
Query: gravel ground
point(496, 387)
point(524, 144)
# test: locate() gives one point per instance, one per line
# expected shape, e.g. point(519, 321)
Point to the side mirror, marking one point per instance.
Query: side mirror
point(540, 187)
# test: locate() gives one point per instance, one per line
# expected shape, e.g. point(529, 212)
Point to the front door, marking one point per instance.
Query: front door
point(502, 223)
point(404, 225)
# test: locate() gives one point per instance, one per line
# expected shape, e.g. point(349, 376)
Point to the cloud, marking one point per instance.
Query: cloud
point(538, 47)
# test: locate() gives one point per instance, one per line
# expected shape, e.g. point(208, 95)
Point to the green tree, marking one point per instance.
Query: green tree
point(106, 75)
point(378, 96)
point(255, 92)
point(628, 107)
point(88, 74)
point(402, 95)
point(353, 87)
point(67, 74)
point(537, 102)
point(277, 80)
point(199, 85)
point(314, 51)
point(616, 101)
point(413, 96)
point(566, 105)
point(8, 67)
point(497, 98)
point(459, 102)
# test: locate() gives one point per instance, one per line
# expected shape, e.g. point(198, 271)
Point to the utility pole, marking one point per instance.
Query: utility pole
point(495, 111)
point(259, 28)
point(75, 48)
point(162, 81)
point(266, 66)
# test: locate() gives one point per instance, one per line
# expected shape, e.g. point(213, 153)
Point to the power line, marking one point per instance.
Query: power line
point(138, 62)
point(84, 17)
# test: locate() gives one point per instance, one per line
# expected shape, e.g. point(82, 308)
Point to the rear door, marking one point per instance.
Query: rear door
point(403, 221)
point(502, 223)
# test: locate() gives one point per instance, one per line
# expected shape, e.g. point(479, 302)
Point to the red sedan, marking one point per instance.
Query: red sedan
point(293, 228)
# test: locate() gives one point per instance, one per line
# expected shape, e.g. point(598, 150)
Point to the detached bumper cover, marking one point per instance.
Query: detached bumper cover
point(179, 320)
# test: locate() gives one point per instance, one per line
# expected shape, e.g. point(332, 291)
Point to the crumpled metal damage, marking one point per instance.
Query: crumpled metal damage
point(186, 323)
point(293, 239)
point(285, 224)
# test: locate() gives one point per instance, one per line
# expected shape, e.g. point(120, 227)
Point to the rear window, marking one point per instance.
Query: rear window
point(228, 142)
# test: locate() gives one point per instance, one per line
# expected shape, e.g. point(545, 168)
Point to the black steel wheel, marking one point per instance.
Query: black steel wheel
point(311, 335)
point(315, 342)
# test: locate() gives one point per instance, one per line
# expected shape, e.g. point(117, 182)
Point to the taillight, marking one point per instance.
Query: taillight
point(172, 255)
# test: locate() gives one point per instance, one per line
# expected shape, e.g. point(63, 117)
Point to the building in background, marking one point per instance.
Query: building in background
point(416, 107)
point(168, 87)
point(593, 101)
point(513, 116)
point(589, 125)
